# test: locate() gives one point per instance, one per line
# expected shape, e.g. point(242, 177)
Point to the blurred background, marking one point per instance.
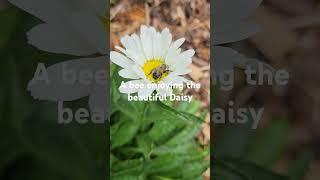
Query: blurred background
point(33, 145)
point(287, 140)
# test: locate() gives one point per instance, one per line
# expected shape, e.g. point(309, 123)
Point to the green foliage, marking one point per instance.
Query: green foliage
point(301, 165)
point(241, 153)
point(237, 169)
point(269, 143)
point(33, 145)
point(9, 19)
point(150, 140)
point(112, 2)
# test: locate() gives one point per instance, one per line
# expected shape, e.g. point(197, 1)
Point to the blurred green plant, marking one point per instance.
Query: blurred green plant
point(33, 145)
point(241, 153)
point(112, 2)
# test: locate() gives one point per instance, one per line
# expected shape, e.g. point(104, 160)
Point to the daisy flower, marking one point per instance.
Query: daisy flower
point(231, 23)
point(75, 28)
point(152, 62)
point(69, 27)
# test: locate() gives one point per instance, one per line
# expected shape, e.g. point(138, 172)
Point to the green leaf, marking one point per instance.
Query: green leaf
point(145, 144)
point(14, 110)
point(58, 145)
point(160, 178)
point(128, 167)
point(126, 177)
point(232, 140)
point(162, 130)
point(171, 123)
point(236, 169)
point(113, 159)
point(299, 168)
point(94, 138)
point(183, 106)
point(193, 170)
point(269, 144)
point(193, 107)
point(163, 164)
point(126, 132)
point(115, 126)
point(112, 2)
point(119, 101)
point(185, 135)
point(29, 167)
point(177, 149)
point(9, 19)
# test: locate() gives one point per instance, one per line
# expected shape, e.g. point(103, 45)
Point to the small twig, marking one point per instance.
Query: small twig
point(304, 21)
point(205, 68)
point(147, 12)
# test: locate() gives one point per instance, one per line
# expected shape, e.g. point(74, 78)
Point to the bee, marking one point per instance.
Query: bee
point(159, 71)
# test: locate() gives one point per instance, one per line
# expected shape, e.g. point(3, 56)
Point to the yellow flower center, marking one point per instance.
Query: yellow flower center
point(155, 70)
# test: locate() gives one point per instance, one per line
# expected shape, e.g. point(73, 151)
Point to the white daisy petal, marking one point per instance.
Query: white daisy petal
point(172, 56)
point(157, 46)
point(166, 39)
point(141, 56)
point(129, 74)
point(122, 50)
point(224, 59)
point(136, 52)
point(181, 71)
point(139, 71)
point(64, 80)
point(124, 41)
point(93, 31)
point(184, 59)
point(173, 79)
point(226, 33)
point(44, 9)
point(169, 79)
point(59, 38)
point(133, 48)
point(146, 40)
point(120, 60)
point(178, 43)
point(164, 90)
point(58, 10)
point(145, 92)
point(187, 54)
point(131, 86)
point(153, 34)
